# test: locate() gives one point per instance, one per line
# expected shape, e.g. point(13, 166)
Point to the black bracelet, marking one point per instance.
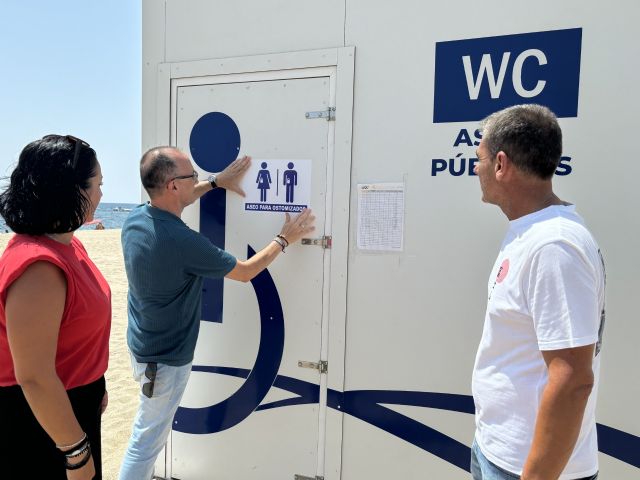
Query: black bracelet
point(282, 237)
point(77, 453)
point(81, 463)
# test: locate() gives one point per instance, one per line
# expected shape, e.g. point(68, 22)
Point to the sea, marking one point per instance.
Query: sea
point(112, 215)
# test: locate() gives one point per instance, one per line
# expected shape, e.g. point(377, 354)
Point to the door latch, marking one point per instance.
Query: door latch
point(322, 366)
point(325, 241)
point(329, 114)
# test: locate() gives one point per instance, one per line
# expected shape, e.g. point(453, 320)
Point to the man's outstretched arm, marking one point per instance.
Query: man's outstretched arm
point(292, 231)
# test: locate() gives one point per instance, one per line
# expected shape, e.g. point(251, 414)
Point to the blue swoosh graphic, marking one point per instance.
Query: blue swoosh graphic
point(244, 401)
point(618, 444)
point(365, 405)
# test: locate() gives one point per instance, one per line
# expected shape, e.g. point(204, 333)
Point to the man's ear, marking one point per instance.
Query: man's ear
point(502, 165)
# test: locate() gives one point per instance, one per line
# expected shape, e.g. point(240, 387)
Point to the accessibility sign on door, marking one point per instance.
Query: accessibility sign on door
point(277, 185)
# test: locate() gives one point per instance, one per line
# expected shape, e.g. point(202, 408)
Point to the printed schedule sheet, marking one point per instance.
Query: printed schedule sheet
point(381, 216)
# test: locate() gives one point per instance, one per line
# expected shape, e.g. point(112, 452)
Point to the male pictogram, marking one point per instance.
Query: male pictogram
point(290, 180)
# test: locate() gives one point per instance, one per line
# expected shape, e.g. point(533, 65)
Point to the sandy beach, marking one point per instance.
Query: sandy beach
point(104, 249)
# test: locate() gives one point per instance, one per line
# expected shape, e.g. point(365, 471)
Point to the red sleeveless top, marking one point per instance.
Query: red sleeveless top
point(83, 340)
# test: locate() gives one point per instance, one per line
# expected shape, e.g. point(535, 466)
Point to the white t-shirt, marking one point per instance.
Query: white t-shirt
point(546, 292)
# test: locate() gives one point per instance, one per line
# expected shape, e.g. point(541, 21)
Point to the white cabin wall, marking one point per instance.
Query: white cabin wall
point(414, 319)
point(202, 29)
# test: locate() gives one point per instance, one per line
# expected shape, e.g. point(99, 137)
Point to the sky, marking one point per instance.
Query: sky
point(74, 67)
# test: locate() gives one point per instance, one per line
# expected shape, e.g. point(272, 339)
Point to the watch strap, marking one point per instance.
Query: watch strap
point(212, 180)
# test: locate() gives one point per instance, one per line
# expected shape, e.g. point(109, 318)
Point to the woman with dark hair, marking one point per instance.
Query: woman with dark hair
point(55, 316)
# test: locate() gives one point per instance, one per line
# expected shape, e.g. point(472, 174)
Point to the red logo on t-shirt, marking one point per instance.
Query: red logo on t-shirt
point(504, 269)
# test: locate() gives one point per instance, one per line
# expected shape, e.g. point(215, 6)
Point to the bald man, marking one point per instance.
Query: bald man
point(166, 263)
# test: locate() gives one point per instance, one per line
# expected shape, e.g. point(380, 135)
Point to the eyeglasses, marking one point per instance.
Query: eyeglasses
point(79, 143)
point(150, 373)
point(193, 176)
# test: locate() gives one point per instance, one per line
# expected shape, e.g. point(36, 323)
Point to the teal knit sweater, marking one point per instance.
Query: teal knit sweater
point(166, 262)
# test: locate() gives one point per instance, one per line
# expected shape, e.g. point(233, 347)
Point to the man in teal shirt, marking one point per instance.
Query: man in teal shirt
point(166, 263)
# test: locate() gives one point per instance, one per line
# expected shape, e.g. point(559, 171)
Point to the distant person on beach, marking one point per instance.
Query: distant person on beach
point(99, 226)
point(166, 263)
point(55, 316)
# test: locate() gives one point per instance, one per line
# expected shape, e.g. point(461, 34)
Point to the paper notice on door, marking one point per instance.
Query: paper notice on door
point(381, 216)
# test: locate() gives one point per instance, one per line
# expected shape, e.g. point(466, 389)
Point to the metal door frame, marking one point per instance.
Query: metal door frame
point(338, 64)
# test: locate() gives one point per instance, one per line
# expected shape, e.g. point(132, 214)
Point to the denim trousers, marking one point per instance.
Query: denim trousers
point(483, 469)
point(152, 423)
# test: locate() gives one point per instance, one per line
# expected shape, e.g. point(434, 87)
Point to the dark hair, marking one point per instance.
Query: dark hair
point(46, 194)
point(156, 167)
point(529, 135)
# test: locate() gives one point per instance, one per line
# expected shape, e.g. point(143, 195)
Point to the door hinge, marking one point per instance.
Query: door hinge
point(322, 366)
point(329, 114)
point(302, 477)
point(325, 241)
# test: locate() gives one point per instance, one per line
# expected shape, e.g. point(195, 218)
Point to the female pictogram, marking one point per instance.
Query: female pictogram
point(263, 181)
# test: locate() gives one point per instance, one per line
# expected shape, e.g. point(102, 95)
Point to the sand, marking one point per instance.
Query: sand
point(105, 251)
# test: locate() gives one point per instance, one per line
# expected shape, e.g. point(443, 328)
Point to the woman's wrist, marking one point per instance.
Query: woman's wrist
point(71, 446)
point(76, 455)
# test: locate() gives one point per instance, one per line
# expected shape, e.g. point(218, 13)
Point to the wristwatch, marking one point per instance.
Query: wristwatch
point(212, 180)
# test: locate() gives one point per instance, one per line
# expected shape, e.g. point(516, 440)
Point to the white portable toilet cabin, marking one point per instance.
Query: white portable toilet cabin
point(350, 358)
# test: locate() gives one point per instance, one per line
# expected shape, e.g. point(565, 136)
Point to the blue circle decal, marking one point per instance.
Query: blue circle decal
point(214, 141)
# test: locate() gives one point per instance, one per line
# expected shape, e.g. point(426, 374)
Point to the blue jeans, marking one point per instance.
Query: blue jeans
point(483, 469)
point(155, 414)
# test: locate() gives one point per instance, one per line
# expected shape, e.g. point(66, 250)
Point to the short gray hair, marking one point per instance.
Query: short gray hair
point(529, 135)
point(156, 168)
